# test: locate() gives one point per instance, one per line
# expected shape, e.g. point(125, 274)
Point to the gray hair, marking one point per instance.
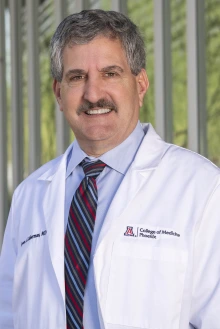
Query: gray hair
point(82, 27)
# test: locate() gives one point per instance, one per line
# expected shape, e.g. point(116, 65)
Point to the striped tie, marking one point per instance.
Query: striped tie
point(78, 241)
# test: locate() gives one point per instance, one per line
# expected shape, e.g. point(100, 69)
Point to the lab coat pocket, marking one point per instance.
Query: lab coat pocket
point(145, 286)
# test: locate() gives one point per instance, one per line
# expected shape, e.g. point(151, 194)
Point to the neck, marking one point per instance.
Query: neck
point(95, 151)
point(97, 148)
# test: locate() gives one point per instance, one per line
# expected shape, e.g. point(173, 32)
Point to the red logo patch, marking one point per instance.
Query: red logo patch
point(129, 231)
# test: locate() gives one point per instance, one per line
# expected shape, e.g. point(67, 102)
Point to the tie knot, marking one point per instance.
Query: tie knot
point(92, 168)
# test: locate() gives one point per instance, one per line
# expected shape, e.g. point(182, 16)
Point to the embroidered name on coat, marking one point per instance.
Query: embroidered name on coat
point(34, 236)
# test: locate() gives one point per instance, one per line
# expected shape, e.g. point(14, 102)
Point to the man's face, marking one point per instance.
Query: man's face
point(99, 95)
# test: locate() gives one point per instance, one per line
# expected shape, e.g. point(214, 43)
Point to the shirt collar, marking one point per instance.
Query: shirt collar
point(119, 158)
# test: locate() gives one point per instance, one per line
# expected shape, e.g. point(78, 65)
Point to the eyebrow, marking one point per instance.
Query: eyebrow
point(112, 68)
point(75, 71)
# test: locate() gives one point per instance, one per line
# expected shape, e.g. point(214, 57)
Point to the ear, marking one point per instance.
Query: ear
point(143, 84)
point(56, 90)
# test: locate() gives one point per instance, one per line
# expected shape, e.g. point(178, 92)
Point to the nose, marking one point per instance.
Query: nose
point(93, 90)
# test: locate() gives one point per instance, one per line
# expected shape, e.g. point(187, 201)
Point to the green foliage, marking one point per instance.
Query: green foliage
point(213, 78)
point(105, 4)
point(179, 72)
point(48, 108)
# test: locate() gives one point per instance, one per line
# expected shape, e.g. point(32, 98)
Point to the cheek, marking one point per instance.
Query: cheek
point(69, 102)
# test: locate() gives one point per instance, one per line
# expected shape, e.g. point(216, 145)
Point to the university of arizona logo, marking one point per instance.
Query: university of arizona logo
point(129, 231)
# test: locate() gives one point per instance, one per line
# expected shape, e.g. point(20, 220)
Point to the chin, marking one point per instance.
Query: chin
point(98, 133)
point(97, 137)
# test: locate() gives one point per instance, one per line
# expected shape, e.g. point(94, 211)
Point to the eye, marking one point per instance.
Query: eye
point(76, 77)
point(111, 74)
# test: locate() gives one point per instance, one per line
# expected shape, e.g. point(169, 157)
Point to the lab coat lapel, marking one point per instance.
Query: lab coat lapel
point(145, 162)
point(53, 206)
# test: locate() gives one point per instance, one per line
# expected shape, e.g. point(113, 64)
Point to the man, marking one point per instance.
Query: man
point(151, 259)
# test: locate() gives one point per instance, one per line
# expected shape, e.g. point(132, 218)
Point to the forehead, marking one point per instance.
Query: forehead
point(99, 51)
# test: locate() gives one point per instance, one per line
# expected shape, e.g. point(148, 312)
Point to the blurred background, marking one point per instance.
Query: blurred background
point(182, 40)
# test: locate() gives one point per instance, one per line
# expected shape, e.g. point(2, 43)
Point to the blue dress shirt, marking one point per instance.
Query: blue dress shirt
point(117, 160)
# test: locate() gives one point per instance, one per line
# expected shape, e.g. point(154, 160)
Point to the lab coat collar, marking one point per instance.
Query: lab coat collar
point(151, 150)
point(61, 161)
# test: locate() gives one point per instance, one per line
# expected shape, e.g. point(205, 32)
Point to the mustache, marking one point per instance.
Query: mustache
point(101, 103)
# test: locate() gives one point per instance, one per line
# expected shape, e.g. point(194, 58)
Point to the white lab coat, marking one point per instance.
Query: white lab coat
point(156, 264)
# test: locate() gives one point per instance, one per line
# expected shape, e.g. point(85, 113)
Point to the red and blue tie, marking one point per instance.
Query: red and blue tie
point(78, 241)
